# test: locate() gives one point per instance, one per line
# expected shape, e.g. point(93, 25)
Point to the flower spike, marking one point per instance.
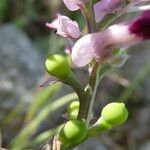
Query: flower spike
point(120, 35)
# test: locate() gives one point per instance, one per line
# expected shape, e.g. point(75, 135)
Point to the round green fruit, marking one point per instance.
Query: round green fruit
point(73, 109)
point(74, 131)
point(57, 66)
point(114, 114)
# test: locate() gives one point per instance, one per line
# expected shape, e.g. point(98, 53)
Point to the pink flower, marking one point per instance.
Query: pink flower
point(97, 45)
point(103, 7)
point(73, 4)
point(65, 27)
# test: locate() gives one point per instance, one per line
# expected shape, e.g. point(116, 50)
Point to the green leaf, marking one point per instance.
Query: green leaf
point(31, 128)
point(40, 99)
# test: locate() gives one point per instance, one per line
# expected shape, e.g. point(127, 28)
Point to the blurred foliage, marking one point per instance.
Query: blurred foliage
point(40, 100)
point(3, 9)
point(25, 134)
point(31, 16)
point(141, 75)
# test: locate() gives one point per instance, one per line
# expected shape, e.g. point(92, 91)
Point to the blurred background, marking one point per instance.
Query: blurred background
point(30, 114)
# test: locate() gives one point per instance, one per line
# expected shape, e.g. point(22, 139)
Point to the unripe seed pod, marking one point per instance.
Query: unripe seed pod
point(114, 114)
point(74, 131)
point(57, 66)
point(73, 109)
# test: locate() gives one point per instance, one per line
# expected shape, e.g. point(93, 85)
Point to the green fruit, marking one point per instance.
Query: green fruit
point(74, 131)
point(57, 66)
point(114, 114)
point(73, 109)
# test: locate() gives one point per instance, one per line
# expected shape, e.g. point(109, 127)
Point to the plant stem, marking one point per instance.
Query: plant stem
point(93, 83)
point(74, 83)
point(99, 71)
point(88, 18)
point(98, 128)
point(91, 9)
point(84, 105)
point(82, 93)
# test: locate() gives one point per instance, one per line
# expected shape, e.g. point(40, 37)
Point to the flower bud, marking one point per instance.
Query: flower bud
point(73, 109)
point(57, 66)
point(114, 114)
point(74, 131)
point(65, 27)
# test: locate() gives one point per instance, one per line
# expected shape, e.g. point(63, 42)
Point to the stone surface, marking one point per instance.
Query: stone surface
point(145, 146)
point(20, 66)
point(92, 144)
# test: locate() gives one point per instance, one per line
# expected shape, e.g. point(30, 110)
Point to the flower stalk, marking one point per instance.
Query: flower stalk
point(88, 18)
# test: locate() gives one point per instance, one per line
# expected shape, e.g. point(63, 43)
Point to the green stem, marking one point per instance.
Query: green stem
point(88, 18)
point(82, 93)
point(84, 105)
point(91, 11)
point(93, 83)
point(98, 128)
point(74, 83)
point(96, 76)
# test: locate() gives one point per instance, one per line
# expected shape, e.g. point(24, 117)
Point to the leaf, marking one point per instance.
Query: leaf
point(31, 128)
point(40, 100)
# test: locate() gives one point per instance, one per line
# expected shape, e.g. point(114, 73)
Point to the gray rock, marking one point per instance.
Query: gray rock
point(141, 128)
point(20, 66)
point(145, 146)
point(92, 144)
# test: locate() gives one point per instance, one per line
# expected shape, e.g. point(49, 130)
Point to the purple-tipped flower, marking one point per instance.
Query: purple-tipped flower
point(96, 45)
point(73, 5)
point(141, 26)
point(65, 27)
point(103, 7)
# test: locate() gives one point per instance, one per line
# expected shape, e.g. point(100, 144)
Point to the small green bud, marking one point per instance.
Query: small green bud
point(74, 131)
point(57, 66)
point(73, 109)
point(114, 114)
